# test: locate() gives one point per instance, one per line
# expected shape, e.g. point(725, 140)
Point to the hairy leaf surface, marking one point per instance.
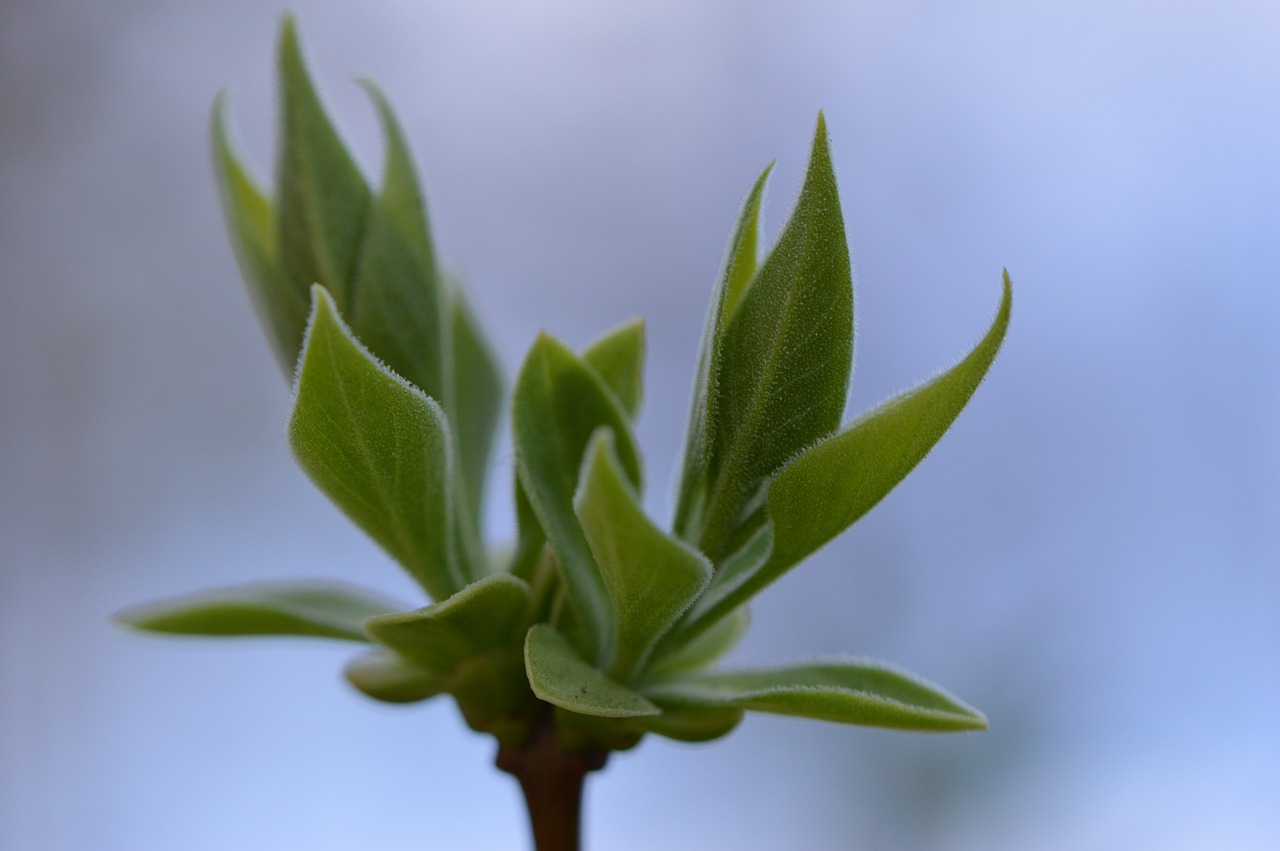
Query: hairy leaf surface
point(281, 304)
point(834, 483)
point(322, 198)
point(561, 677)
point(559, 402)
point(740, 263)
point(869, 694)
point(786, 354)
point(487, 614)
point(379, 448)
point(651, 578)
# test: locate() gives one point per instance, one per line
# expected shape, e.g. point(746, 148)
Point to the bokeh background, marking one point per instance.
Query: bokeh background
point(1092, 555)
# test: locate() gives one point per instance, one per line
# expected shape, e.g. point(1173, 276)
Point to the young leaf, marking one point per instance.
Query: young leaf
point(398, 307)
point(477, 398)
point(701, 650)
point(869, 694)
point(320, 609)
point(561, 677)
point(739, 268)
point(618, 357)
point(832, 484)
point(379, 449)
point(281, 305)
point(786, 354)
point(486, 615)
point(322, 198)
point(387, 677)
point(558, 403)
point(690, 723)
point(651, 578)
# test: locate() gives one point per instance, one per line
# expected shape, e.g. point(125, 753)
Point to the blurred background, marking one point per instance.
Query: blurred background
point(1091, 556)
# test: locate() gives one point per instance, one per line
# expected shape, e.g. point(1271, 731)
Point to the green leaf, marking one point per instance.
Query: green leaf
point(828, 487)
point(558, 403)
point(379, 448)
point(618, 357)
point(740, 264)
point(689, 723)
point(250, 216)
point(786, 355)
point(401, 197)
point(561, 677)
point(478, 399)
point(651, 579)
point(870, 694)
point(703, 649)
point(322, 197)
point(486, 615)
point(387, 677)
point(398, 307)
point(320, 609)
point(530, 537)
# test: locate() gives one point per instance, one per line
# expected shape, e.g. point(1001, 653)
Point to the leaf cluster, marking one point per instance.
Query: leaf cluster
point(598, 614)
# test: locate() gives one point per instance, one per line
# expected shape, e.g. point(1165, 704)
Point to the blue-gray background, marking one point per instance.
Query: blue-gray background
point(1091, 555)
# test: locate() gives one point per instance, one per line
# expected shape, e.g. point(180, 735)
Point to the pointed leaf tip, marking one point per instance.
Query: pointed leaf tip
point(830, 485)
point(379, 448)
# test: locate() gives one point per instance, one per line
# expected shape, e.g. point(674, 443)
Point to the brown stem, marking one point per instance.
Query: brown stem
point(552, 782)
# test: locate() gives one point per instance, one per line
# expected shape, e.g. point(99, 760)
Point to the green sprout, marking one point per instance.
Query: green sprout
point(600, 626)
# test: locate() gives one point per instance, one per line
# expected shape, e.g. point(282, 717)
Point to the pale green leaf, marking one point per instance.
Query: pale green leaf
point(651, 578)
point(786, 354)
point(322, 199)
point(741, 260)
point(832, 484)
point(387, 677)
point(398, 306)
point(701, 650)
point(485, 615)
point(477, 399)
point(379, 448)
point(618, 357)
point(690, 723)
point(401, 196)
point(561, 677)
point(281, 304)
point(320, 609)
point(869, 694)
point(558, 404)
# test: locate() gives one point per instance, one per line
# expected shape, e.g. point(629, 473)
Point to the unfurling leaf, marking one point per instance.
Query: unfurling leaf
point(317, 609)
point(869, 694)
point(321, 196)
point(651, 578)
point(558, 404)
point(829, 486)
point(379, 449)
point(740, 263)
point(785, 356)
point(702, 650)
point(281, 305)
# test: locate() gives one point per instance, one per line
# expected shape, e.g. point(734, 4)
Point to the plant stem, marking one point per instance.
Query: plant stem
point(552, 782)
